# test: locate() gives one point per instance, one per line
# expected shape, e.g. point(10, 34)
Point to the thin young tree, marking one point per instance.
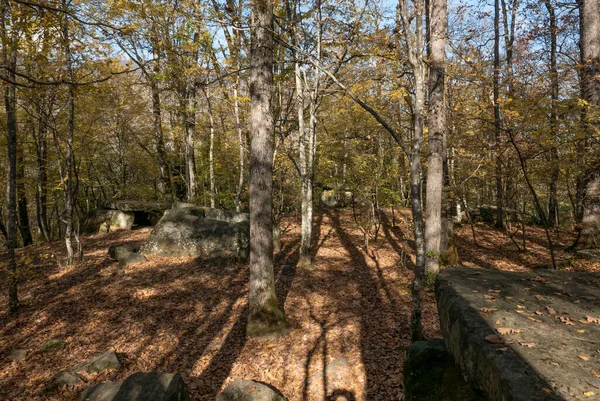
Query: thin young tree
point(265, 316)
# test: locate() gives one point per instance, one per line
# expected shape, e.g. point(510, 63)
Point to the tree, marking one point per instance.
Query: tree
point(265, 316)
point(9, 44)
point(437, 133)
point(590, 56)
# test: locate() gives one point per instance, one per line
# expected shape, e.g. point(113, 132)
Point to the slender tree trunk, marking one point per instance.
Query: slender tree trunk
point(165, 186)
point(10, 102)
point(23, 213)
point(553, 185)
point(496, 90)
point(238, 128)
point(437, 132)
point(211, 157)
point(265, 316)
point(69, 158)
point(188, 122)
point(41, 193)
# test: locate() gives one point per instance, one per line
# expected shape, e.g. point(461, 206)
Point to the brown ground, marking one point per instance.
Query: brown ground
point(177, 316)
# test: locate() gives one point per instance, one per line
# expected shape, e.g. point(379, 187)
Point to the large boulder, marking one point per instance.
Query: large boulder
point(430, 374)
point(249, 390)
point(185, 231)
point(141, 386)
point(336, 198)
point(104, 220)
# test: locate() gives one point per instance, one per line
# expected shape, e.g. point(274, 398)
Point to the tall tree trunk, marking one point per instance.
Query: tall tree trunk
point(437, 132)
point(41, 193)
point(414, 42)
point(10, 103)
point(590, 49)
point(188, 118)
point(496, 90)
point(165, 186)
point(68, 183)
point(238, 128)
point(26, 237)
point(211, 150)
point(265, 316)
point(553, 214)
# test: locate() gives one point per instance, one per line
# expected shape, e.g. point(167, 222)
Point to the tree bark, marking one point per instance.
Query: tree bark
point(265, 316)
point(496, 90)
point(437, 132)
point(590, 50)
point(10, 100)
point(23, 213)
point(553, 214)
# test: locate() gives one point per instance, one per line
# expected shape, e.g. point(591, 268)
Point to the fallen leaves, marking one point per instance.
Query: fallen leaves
point(488, 310)
point(583, 357)
point(566, 320)
point(498, 339)
point(527, 345)
point(508, 330)
point(590, 319)
point(550, 310)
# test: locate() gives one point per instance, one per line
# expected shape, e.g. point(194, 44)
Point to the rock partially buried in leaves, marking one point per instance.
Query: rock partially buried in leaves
point(102, 392)
point(53, 345)
point(17, 354)
point(106, 361)
point(152, 386)
point(126, 254)
point(63, 378)
point(249, 390)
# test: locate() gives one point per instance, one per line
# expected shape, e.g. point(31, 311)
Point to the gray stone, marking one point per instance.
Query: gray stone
point(126, 254)
point(336, 198)
point(17, 354)
point(136, 206)
point(102, 392)
point(546, 311)
point(184, 232)
point(53, 345)
point(430, 374)
point(63, 378)
point(101, 220)
point(249, 390)
point(152, 386)
point(106, 361)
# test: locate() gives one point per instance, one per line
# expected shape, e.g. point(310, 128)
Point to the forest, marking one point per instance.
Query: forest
point(346, 152)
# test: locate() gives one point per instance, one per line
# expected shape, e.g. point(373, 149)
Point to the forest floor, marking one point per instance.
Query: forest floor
point(349, 313)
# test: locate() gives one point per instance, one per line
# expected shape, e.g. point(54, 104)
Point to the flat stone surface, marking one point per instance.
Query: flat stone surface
point(102, 392)
point(152, 386)
point(108, 360)
point(523, 336)
point(53, 345)
point(249, 390)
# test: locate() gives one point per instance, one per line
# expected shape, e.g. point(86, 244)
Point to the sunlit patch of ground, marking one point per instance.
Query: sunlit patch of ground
point(349, 314)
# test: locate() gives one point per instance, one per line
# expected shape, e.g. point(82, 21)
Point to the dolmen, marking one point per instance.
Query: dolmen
point(513, 336)
point(123, 215)
point(213, 235)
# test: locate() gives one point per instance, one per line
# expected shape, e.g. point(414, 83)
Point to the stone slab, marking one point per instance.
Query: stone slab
point(523, 336)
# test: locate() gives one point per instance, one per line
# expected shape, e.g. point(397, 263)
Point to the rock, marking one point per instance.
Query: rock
point(249, 390)
point(101, 220)
point(184, 232)
point(588, 253)
point(430, 374)
point(535, 349)
point(135, 206)
point(17, 354)
point(102, 392)
point(152, 386)
point(126, 254)
point(63, 378)
point(53, 345)
point(336, 198)
point(106, 361)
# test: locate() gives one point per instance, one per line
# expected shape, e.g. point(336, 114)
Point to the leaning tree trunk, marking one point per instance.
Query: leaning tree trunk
point(10, 100)
point(437, 132)
point(265, 316)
